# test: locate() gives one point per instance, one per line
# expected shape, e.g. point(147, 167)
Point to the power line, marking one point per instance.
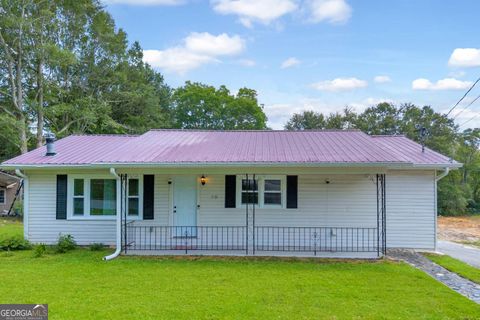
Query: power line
point(463, 97)
point(474, 100)
point(475, 116)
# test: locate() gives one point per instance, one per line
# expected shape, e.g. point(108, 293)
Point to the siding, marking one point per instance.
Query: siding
point(9, 196)
point(349, 200)
point(411, 209)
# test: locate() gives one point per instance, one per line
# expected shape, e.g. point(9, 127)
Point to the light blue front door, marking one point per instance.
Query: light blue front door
point(185, 206)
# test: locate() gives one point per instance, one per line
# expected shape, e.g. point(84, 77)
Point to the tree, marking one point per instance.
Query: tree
point(307, 120)
point(199, 106)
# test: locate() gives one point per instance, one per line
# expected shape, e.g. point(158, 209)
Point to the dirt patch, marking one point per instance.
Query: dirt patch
point(459, 229)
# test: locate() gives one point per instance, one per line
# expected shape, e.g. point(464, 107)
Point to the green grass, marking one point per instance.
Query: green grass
point(463, 269)
point(10, 227)
point(79, 285)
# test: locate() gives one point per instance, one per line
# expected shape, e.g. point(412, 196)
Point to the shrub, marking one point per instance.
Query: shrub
point(39, 250)
point(65, 243)
point(97, 246)
point(14, 243)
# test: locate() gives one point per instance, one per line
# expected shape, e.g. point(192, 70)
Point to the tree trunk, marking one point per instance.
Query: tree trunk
point(40, 104)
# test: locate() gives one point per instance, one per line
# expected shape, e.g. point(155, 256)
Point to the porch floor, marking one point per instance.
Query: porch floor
point(346, 255)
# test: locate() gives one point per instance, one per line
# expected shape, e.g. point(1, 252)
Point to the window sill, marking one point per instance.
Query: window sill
point(100, 218)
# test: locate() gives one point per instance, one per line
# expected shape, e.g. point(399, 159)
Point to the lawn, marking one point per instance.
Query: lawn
point(10, 226)
point(79, 285)
point(463, 269)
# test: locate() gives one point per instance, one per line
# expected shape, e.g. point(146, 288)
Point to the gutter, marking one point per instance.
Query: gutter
point(118, 241)
point(26, 196)
point(443, 175)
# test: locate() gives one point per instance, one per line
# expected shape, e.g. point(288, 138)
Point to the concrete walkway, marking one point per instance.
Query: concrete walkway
point(458, 251)
point(452, 280)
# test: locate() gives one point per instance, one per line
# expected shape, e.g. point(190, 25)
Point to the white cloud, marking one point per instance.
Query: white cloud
point(290, 62)
point(332, 11)
point(249, 11)
point(465, 57)
point(247, 62)
point(197, 49)
point(382, 79)
point(340, 84)
point(146, 2)
point(443, 84)
point(207, 44)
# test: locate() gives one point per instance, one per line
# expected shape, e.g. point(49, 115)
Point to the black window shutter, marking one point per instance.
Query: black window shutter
point(292, 192)
point(230, 191)
point(148, 196)
point(61, 197)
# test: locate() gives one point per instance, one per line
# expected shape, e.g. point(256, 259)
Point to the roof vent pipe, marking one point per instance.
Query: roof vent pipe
point(50, 145)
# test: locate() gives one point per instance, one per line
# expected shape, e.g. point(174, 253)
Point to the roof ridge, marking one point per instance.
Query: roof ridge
point(102, 135)
point(257, 130)
point(388, 135)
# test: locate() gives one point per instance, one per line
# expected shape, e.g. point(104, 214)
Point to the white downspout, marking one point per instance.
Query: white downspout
point(119, 222)
point(437, 178)
point(19, 173)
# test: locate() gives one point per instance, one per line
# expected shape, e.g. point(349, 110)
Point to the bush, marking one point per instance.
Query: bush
point(65, 243)
point(39, 250)
point(14, 243)
point(97, 246)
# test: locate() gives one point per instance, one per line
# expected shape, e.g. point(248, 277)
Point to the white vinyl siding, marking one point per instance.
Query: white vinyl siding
point(410, 209)
point(349, 200)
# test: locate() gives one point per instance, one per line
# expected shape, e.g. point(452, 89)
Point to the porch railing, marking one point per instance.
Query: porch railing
point(251, 239)
point(186, 238)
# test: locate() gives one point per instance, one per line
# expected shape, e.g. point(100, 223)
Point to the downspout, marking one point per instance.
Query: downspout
point(438, 178)
point(119, 226)
point(19, 173)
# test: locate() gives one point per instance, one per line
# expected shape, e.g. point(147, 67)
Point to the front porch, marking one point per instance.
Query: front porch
point(254, 237)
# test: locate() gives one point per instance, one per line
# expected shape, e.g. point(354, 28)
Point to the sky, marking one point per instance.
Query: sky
point(320, 55)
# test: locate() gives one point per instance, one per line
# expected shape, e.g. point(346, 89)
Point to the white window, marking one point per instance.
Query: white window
point(95, 197)
point(2, 196)
point(264, 191)
point(134, 197)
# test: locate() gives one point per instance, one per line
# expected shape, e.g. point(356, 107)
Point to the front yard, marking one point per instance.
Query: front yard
point(79, 285)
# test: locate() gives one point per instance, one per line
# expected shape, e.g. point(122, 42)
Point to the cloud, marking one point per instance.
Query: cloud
point(197, 49)
point(465, 57)
point(340, 84)
point(247, 62)
point(207, 44)
point(146, 2)
point(290, 62)
point(332, 11)
point(382, 79)
point(250, 11)
point(443, 84)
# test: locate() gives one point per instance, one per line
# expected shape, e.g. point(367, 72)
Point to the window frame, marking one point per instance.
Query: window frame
point(4, 191)
point(86, 196)
point(139, 197)
point(261, 191)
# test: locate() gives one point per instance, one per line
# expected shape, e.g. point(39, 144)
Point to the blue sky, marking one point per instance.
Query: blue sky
point(315, 54)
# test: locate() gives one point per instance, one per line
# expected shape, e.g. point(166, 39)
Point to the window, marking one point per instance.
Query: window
point(2, 196)
point(78, 197)
point(249, 191)
point(272, 194)
point(133, 197)
point(264, 191)
point(95, 197)
point(103, 196)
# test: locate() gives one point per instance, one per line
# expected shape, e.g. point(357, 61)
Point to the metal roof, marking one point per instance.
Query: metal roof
point(176, 147)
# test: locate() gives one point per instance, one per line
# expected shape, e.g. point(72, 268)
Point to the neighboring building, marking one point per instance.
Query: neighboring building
point(8, 188)
point(327, 193)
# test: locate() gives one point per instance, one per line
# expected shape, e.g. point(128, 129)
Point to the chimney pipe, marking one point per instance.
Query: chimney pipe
point(50, 139)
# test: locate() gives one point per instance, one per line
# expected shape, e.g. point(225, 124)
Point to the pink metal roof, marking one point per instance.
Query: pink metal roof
point(209, 147)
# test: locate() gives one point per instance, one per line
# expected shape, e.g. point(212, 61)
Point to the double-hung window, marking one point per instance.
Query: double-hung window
point(92, 197)
point(263, 191)
point(133, 197)
point(78, 197)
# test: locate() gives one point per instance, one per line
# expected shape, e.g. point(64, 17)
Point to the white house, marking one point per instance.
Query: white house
point(325, 193)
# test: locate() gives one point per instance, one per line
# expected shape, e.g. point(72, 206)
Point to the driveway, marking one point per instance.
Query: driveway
point(466, 254)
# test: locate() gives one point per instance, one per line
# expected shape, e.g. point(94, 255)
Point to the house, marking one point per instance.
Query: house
point(325, 193)
point(8, 189)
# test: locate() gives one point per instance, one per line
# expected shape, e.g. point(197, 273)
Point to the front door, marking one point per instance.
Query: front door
point(185, 206)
